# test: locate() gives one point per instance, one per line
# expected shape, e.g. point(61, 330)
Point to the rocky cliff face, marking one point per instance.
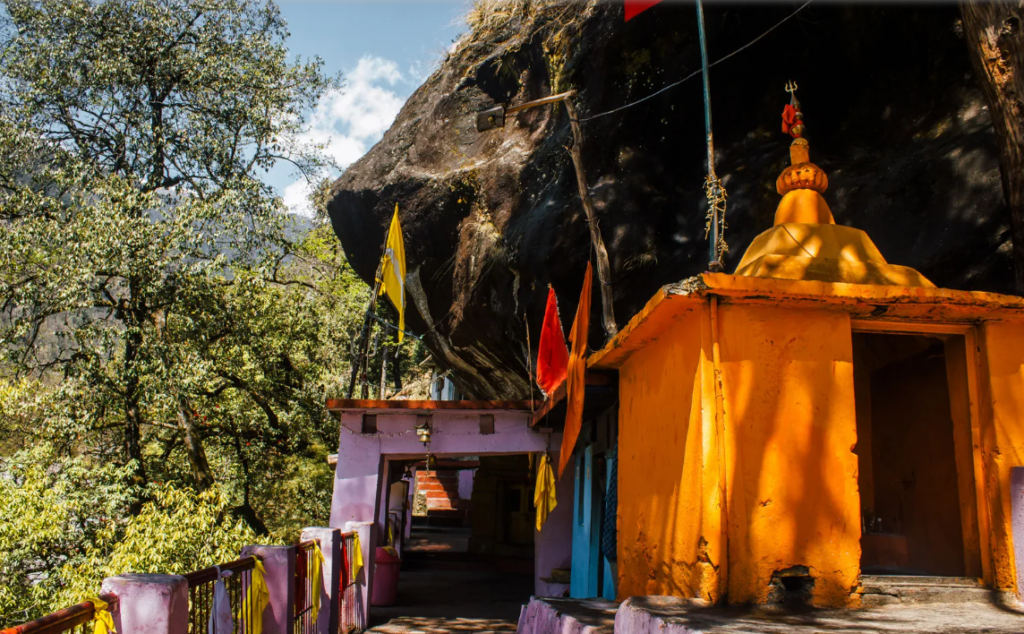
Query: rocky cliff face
point(490, 219)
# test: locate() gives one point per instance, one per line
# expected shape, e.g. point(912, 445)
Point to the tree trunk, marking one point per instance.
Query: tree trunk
point(996, 43)
point(194, 446)
point(604, 269)
point(133, 418)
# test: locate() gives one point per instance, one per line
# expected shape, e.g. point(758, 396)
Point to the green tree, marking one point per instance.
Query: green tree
point(134, 133)
point(168, 333)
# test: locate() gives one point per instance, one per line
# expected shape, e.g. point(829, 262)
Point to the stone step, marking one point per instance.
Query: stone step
point(881, 590)
point(914, 580)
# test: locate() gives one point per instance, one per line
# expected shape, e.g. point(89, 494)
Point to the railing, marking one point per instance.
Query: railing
point(200, 595)
point(305, 569)
point(348, 601)
point(66, 620)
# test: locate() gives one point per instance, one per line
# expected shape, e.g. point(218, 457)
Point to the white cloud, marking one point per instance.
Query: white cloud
point(349, 121)
point(296, 198)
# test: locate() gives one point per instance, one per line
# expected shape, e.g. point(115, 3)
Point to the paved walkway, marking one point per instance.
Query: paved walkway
point(432, 601)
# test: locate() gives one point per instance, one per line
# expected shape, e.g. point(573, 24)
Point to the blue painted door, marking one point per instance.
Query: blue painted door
point(586, 554)
point(608, 570)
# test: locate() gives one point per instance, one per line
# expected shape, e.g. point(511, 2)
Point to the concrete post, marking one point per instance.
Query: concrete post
point(149, 604)
point(279, 562)
point(330, 577)
point(364, 582)
point(1017, 524)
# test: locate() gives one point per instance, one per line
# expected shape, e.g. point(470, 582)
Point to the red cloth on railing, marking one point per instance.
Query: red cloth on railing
point(345, 567)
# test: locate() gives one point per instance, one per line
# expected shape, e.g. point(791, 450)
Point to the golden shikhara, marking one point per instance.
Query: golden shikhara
point(805, 242)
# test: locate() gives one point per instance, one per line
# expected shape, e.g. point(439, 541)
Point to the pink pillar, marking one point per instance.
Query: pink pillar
point(330, 545)
point(149, 604)
point(357, 475)
point(553, 544)
point(1017, 524)
point(364, 582)
point(279, 562)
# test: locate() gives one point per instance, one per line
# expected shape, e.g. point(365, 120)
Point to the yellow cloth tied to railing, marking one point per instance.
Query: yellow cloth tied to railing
point(356, 558)
point(256, 599)
point(102, 616)
point(318, 566)
point(544, 495)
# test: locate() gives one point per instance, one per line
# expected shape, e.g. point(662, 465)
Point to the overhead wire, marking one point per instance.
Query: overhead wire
point(698, 71)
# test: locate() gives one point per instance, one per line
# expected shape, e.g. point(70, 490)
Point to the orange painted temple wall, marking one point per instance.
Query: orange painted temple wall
point(788, 414)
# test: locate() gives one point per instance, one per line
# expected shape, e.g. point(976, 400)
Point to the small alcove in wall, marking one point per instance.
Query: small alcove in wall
point(916, 463)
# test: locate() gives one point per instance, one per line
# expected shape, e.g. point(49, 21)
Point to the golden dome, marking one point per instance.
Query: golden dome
point(806, 243)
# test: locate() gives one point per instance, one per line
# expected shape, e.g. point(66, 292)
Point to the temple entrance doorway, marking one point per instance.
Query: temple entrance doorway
point(916, 463)
point(467, 545)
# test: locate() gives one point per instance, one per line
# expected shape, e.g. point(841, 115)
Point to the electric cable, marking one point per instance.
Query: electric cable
point(698, 71)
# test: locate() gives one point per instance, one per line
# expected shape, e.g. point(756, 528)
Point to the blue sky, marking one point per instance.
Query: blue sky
point(384, 48)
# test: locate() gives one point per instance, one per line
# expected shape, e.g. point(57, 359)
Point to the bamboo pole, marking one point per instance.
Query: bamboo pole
point(364, 336)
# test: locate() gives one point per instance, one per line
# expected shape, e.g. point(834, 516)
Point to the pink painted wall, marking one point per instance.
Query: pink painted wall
point(466, 483)
point(553, 543)
point(356, 480)
point(359, 475)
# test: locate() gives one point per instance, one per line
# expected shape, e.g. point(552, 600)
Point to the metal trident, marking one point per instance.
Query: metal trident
point(791, 89)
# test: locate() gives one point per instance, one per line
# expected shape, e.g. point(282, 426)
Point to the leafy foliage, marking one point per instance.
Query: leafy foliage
point(168, 332)
point(51, 509)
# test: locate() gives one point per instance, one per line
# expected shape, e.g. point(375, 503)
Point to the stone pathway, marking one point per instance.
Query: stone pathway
point(432, 601)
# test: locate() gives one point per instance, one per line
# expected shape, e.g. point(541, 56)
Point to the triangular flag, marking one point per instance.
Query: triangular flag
point(552, 354)
point(575, 383)
point(393, 272)
point(636, 7)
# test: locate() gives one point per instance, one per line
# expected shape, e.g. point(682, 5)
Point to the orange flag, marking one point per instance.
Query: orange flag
point(552, 355)
point(575, 383)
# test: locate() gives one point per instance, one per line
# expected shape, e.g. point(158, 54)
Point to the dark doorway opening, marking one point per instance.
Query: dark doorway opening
point(468, 553)
point(914, 448)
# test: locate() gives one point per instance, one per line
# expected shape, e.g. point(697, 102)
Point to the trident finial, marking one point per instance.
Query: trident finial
point(792, 118)
point(791, 89)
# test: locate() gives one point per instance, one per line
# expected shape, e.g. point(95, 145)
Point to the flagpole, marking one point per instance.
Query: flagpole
point(364, 336)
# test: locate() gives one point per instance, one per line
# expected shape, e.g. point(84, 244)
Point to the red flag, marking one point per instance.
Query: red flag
point(552, 355)
point(575, 383)
point(635, 7)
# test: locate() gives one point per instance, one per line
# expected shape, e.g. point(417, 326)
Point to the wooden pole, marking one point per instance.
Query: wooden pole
point(364, 336)
point(604, 269)
point(384, 367)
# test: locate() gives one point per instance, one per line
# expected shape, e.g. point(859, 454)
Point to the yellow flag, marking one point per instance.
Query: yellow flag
point(544, 495)
point(256, 599)
point(393, 271)
point(101, 614)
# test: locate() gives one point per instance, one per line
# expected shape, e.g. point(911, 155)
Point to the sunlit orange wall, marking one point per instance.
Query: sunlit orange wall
point(659, 468)
point(1002, 432)
point(791, 429)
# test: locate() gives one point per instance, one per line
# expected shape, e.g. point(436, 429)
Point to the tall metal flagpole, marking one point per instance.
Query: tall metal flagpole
point(712, 185)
